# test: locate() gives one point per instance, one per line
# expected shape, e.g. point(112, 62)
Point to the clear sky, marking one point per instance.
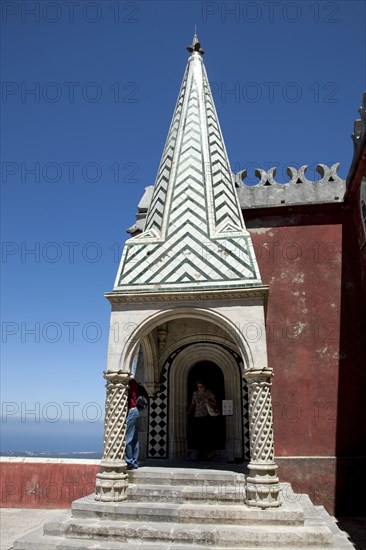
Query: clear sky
point(88, 91)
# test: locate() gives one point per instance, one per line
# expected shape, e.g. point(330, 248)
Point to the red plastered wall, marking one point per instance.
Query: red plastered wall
point(45, 485)
point(302, 265)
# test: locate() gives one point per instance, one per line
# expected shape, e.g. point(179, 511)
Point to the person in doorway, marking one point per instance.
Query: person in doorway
point(132, 433)
point(204, 408)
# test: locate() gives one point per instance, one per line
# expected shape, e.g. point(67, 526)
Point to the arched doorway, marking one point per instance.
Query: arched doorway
point(167, 437)
point(212, 376)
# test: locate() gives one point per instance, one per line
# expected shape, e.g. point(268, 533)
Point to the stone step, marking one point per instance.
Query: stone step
point(289, 514)
point(340, 538)
point(36, 541)
point(187, 493)
point(184, 476)
point(208, 534)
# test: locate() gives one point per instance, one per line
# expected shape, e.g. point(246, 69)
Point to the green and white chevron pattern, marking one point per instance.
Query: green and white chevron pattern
point(154, 217)
point(226, 205)
point(194, 235)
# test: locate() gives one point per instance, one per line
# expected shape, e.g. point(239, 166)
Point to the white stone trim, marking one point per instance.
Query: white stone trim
point(146, 321)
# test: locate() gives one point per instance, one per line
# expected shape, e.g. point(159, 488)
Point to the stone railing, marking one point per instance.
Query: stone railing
point(268, 192)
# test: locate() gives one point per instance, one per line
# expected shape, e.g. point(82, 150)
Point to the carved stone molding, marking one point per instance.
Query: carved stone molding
point(184, 296)
point(162, 333)
point(263, 489)
point(111, 482)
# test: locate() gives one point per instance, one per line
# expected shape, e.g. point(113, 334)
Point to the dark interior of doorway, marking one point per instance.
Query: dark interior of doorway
point(212, 376)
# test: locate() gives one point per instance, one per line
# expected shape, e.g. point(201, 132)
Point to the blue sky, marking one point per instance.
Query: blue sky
point(287, 79)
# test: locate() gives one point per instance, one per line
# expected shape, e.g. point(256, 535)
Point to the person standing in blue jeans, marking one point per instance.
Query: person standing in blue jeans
point(132, 434)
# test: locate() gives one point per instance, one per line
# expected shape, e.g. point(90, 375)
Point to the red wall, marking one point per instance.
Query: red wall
point(45, 485)
point(302, 266)
point(310, 259)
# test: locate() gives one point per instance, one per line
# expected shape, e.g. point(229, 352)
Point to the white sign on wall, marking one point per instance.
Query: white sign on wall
point(227, 407)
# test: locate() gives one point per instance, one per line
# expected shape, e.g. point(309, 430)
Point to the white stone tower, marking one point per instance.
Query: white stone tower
point(188, 288)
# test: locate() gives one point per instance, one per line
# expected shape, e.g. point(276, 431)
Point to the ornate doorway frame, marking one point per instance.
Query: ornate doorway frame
point(168, 406)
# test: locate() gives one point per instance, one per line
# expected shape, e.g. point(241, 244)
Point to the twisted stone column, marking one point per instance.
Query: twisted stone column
point(111, 482)
point(263, 489)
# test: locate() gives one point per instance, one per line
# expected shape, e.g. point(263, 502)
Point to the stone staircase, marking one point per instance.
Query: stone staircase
point(188, 509)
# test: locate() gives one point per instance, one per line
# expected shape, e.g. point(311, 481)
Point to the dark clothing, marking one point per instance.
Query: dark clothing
point(199, 401)
point(203, 435)
point(136, 403)
point(132, 393)
point(203, 425)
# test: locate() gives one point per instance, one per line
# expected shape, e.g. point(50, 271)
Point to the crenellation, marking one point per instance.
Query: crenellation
point(297, 175)
point(268, 192)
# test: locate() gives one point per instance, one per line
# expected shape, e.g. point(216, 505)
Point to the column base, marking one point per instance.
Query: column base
point(262, 486)
point(111, 482)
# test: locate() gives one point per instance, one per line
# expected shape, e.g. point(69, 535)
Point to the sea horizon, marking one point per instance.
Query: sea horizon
point(62, 439)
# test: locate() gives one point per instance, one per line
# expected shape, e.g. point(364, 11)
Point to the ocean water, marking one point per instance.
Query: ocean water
point(62, 438)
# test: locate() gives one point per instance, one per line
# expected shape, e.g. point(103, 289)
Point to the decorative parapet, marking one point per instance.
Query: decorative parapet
point(299, 190)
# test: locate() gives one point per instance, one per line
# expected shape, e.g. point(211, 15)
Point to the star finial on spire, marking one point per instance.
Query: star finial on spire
point(196, 46)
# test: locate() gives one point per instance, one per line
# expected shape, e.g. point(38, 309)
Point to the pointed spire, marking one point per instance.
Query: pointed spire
point(194, 236)
point(196, 46)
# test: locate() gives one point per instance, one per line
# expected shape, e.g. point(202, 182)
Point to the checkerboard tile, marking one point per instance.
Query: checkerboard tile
point(158, 419)
point(246, 440)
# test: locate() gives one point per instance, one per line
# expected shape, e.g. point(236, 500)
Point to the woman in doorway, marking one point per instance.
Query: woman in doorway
point(204, 408)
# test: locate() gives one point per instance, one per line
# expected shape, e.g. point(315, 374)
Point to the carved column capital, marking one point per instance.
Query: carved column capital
point(258, 375)
point(118, 376)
